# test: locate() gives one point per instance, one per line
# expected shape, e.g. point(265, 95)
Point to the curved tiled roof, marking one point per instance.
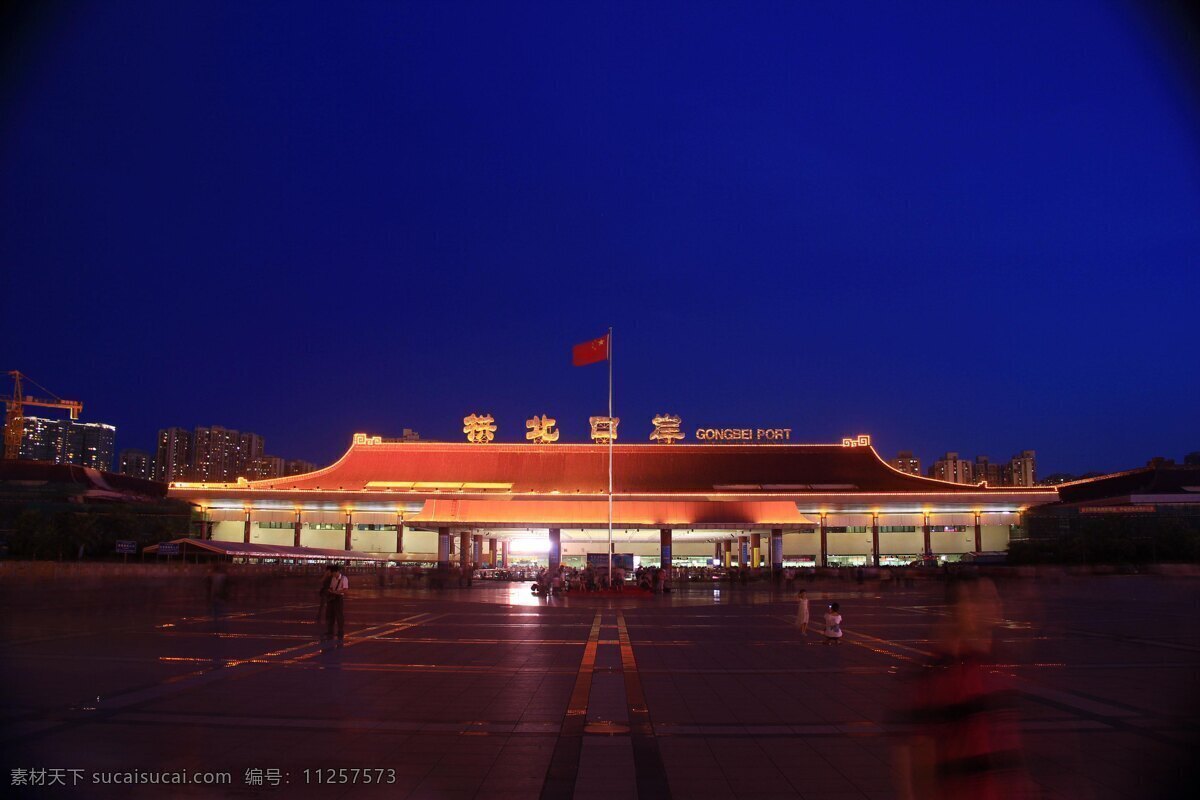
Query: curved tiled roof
point(637, 468)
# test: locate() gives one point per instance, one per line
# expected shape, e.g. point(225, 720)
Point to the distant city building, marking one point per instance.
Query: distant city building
point(135, 463)
point(297, 466)
point(92, 444)
point(265, 467)
point(44, 439)
point(215, 453)
point(64, 441)
point(409, 435)
point(952, 468)
point(905, 461)
point(250, 447)
point(1022, 469)
point(1192, 459)
point(1058, 479)
point(985, 470)
point(173, 459)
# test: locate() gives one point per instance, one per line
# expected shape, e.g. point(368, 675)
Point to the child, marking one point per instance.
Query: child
point(802, 613)
point(833, 625)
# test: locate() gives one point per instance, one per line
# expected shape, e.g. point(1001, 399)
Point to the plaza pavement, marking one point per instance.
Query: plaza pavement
point(489, 692)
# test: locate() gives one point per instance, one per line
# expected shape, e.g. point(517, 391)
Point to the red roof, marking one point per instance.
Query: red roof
point(637, 468)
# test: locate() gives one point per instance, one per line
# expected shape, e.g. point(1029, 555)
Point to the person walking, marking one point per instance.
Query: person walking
point(335, 615)
point(323, 594)
point(833, 624)
point(802, 614)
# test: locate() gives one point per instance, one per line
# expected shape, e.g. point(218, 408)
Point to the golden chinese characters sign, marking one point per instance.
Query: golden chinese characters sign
point(666, 429)
point(479, 428)
point(541, 429)
point(604, 428)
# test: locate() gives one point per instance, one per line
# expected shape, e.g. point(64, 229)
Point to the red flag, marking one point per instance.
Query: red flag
point(590, 352)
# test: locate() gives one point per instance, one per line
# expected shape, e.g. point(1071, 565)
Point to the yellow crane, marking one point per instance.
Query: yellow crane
point(14, 411)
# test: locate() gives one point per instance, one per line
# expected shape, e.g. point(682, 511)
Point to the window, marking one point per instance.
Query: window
point(897, 528)
point(374, 527)
point(847, 529)
point(947, 528)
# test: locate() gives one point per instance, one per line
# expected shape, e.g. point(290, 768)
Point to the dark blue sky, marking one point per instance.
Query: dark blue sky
point(968, 227)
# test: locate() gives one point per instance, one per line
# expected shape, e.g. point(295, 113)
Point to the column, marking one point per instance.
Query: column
point(727, 547)
point(297, 526)
point(925, 531)
point(477, 549)
point(776, 549)
point(978, 534)
point(743, 551)
point(464, 549)
point(492, 552)
point(349, 530)
point(755, 549)
point(246, 528)
point(664, 547)
point(443, 547)
point(716, 553)
point(555, 555)
point(875, 539)
point(824, 541)
point(504, 554)
point(399, 533)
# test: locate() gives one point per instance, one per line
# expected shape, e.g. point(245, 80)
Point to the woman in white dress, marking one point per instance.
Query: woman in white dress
point(802, 613)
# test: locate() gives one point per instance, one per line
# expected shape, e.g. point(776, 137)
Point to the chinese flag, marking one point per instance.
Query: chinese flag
point(590, 352)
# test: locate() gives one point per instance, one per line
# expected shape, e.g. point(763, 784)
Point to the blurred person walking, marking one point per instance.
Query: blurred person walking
point(335, 615)
point(967, 742)
point(323, 593)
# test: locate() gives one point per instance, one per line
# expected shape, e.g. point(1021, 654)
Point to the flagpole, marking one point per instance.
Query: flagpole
point(612, 434)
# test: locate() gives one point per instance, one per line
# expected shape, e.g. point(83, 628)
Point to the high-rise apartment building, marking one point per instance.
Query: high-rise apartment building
point(173, 459)
point(250, 447)
point(92, 444)
point(45, 439)
point(65, 441)
point(215, 454)
point(985, 470)
point(952, 468)
point(905, 461)
point(264, 467)
point(1022, 469)
point(135, 463)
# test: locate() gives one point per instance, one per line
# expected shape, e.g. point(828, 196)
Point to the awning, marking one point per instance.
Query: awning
point(255, 550)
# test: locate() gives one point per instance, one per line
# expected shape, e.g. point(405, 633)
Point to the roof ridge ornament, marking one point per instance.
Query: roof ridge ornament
point(862, 440)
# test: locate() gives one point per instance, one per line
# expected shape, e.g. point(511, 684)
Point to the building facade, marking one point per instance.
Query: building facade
point(753, 505)
point(172, 461)
point(953, 469)
point(136, 464)
point(1022, 469)
point(905, 461)
point(65, 441)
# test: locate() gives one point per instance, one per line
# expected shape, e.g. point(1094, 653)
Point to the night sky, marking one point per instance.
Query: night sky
point(969, 227)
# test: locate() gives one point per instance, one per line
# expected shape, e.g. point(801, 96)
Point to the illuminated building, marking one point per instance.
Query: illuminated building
point(905, 461)
point(214, 454)
point(1022, 469)
point(44, 439)
point(952, 468)
point(64, 441)
point(684, 503)
point(264, 467)
point(91, 444)
point(173, 458)
point(135, 463)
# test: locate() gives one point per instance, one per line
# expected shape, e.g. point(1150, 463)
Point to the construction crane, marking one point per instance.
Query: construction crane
point(14, 411)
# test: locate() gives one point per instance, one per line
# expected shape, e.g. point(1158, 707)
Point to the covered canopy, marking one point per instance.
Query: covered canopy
point(256, 550)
